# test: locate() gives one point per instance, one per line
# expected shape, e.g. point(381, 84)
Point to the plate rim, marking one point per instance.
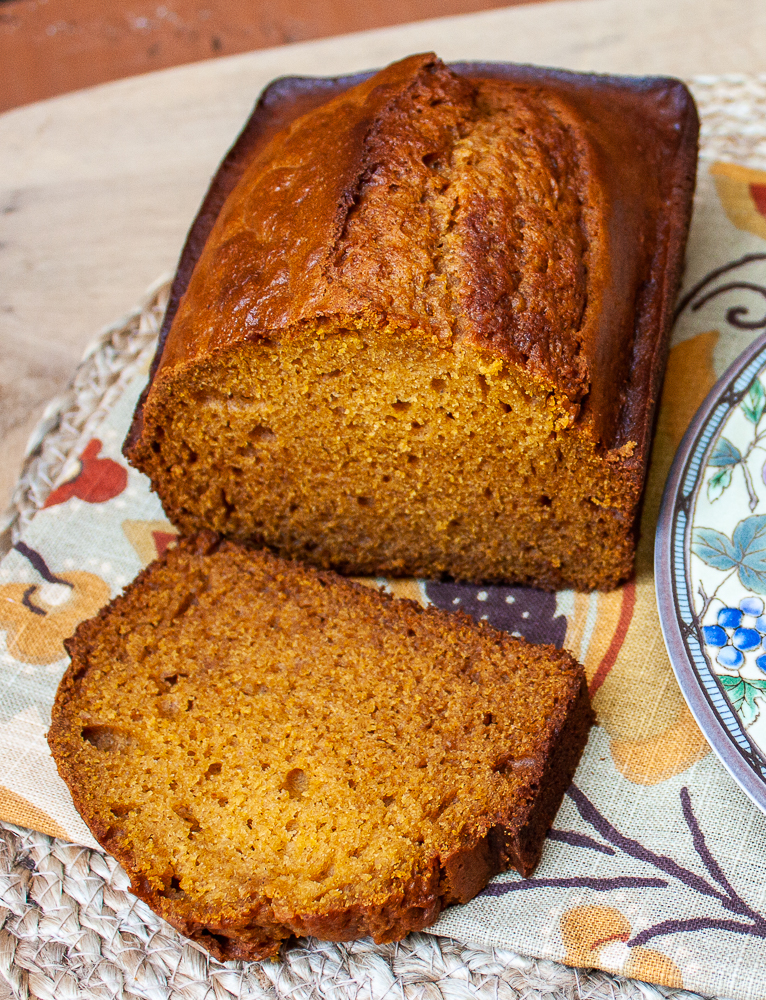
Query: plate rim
point(713, 729)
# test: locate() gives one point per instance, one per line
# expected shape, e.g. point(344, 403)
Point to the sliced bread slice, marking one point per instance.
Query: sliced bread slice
point(272, 750)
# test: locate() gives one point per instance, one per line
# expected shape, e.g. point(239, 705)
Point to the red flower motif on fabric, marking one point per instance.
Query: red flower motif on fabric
point(758, 194)
point(99, 479)
point(150, 539)
point(163, 540)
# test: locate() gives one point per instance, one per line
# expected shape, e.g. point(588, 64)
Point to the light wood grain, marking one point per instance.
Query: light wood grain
point(97, 188)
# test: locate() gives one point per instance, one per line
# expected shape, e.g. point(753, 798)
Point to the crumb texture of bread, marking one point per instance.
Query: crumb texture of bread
point(272, 750)
point(426, 332)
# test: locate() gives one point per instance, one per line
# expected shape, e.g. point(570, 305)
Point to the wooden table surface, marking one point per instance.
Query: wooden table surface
point(98, 187)
point(50, 47)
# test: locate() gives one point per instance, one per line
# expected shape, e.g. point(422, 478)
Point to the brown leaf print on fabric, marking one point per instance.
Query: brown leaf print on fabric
point(597, 937)
point(723, 908)
point(39, 616)
point(520, 611)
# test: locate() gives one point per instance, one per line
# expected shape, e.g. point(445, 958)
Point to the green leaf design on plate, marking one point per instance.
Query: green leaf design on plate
point(750, 534)
point(746, 550)
point(717, 483)
point(714, 548)
point(750, 546)
point(734, 687)
point(754, 402)
point(742, 695)
point(725, 453)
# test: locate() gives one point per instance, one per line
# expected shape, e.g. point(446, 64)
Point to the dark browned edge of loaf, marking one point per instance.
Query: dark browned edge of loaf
point(664, 101)
point(455, 879)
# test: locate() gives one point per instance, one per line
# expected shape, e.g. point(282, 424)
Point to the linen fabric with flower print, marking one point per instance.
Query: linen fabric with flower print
point(655, 867)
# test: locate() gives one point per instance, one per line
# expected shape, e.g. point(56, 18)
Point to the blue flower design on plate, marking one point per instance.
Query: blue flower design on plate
point(739, 630)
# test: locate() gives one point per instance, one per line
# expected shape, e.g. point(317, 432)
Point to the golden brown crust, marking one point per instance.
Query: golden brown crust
point(566, 269)
point(253, 927)
point(373, 206)
point(274, 265)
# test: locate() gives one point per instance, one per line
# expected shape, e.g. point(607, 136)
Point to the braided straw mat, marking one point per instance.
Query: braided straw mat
point(69, 927)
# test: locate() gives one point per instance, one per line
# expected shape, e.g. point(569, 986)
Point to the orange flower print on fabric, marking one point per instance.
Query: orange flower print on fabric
point(38, 617)
point(598, 936)
point(98, 480)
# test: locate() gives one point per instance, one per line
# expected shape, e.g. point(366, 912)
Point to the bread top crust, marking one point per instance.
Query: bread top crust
point(418, 198)
point(536, 216)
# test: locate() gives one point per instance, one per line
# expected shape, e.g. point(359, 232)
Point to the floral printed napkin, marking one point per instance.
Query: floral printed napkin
point(656, 866)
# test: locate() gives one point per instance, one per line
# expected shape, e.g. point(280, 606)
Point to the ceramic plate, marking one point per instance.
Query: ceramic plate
point(710, 569)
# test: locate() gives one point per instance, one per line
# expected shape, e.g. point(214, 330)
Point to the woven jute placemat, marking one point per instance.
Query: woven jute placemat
point(69, 926)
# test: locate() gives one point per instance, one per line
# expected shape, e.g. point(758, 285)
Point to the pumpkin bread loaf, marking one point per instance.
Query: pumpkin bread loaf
point(425, 332)
point(272, 750)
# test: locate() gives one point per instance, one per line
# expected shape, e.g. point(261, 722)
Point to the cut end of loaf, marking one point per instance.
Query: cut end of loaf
point(271, 750)
point(381, 451)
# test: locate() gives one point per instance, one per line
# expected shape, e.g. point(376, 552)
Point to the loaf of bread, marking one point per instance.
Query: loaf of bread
point(420, 324)
point(271, 750)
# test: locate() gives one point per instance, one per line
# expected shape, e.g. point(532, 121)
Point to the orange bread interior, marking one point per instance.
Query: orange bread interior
point(379, 451)
point(271, 750)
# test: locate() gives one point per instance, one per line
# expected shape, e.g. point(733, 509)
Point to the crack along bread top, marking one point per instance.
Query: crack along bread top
point(535, 215)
